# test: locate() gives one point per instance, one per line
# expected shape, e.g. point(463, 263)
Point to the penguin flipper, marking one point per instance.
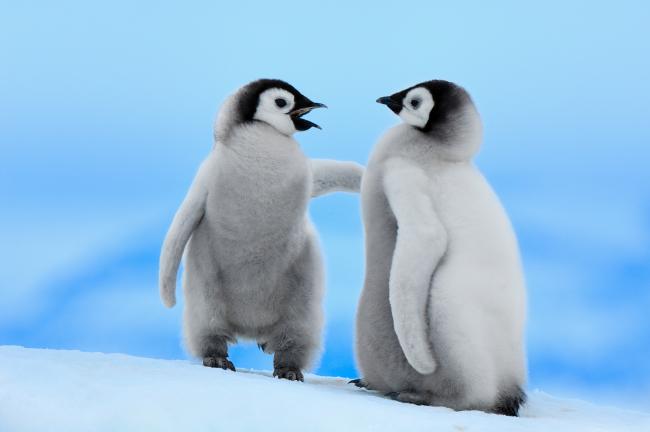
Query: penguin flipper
point(421, 243)
point(335, 176)
point(185, 222)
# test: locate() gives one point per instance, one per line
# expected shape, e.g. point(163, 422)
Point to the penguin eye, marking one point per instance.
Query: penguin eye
point(281, 103)
point(415, 103)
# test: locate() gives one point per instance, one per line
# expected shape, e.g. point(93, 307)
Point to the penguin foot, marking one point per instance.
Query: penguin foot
point(359, 382)
point(218, 362)
point(410, 397)
point(288, 373)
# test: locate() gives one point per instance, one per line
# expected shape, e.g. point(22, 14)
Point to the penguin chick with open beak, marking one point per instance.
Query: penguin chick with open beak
point(253, 265)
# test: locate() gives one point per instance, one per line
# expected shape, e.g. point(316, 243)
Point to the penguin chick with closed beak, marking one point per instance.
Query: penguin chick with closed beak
point(441, 315)
point(253, 266)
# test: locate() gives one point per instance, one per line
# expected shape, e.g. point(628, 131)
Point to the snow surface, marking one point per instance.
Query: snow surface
point(54, 390)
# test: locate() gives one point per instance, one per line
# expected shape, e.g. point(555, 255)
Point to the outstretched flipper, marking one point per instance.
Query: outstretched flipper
point(421, 243)
point(185, 221)
point(335, 176)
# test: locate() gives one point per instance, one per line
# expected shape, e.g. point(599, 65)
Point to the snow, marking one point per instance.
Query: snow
point(76, 391)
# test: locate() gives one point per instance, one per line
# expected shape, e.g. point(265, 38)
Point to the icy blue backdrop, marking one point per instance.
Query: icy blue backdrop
point(106, 110)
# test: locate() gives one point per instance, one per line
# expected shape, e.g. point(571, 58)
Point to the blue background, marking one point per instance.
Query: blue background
point(106, 110)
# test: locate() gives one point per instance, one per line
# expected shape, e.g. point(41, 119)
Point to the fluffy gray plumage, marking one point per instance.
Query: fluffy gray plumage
point(253, 266)
point(441, 316)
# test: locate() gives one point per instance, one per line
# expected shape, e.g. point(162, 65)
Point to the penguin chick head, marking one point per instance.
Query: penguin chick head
point(271, 101)
point(438, 108)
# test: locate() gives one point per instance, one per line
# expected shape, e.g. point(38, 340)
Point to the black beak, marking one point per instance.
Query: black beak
point(391, 103)
point(302, 108)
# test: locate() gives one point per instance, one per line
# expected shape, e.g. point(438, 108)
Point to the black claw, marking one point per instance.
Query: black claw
point(358, 382)
point(262, 346)
point(219, 363)
point(289, 374)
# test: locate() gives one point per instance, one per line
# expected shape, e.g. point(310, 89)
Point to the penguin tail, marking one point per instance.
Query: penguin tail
point(510, 402)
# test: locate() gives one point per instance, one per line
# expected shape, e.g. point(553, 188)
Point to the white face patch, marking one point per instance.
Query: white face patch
point(274, 107)
point(416, 106)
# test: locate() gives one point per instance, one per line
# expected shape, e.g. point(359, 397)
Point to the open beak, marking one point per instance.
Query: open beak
point(300, 123)
point(304, 110)
point(391, 103)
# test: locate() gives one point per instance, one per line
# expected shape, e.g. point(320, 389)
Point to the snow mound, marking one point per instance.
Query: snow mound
point(75, 391)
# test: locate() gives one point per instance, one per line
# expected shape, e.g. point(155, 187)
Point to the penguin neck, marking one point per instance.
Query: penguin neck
point(260, 141)
point(459, 146)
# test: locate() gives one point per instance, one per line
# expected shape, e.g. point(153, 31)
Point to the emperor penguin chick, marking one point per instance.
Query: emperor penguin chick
point(253, 266)
point(441, 315)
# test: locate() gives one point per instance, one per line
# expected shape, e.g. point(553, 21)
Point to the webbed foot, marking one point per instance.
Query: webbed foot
point(410, 397)
point(218, 362)
point(359, 382)
point(288, 373)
